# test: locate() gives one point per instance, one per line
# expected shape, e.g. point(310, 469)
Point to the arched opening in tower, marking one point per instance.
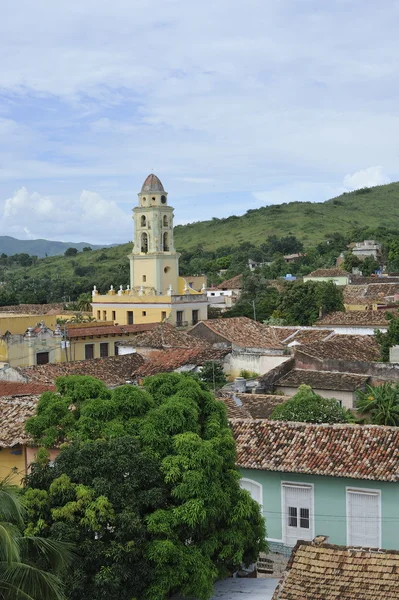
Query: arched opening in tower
point(165, 221)
point(144, 242)
point(165, 242)
point(143, 221)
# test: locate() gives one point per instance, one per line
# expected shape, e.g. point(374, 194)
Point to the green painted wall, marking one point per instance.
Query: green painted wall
point(329, 504)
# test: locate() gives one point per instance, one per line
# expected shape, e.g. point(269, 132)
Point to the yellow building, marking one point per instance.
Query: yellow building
point(156, 292)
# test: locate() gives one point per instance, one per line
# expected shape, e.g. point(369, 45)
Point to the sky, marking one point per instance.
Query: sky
point(233, 104)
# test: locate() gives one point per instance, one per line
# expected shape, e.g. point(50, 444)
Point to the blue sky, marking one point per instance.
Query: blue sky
point(233, 105)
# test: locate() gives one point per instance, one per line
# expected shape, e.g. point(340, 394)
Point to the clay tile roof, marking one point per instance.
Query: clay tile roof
point(342, 450)
point(235, 283)
point(325, 380)
point(34, 309)
point(250, 406)
point(355, 294)
point(325, 571)
point(308, 336)
point(15, 388)
point(114, 370)
point(378, 291)
point(95, 330)
point(152, 184)
point(344, 347)
point(166, 336)
point(171, 359)
point(328, 273)
point(14, 412)
point(243, 332)
point(370, 318)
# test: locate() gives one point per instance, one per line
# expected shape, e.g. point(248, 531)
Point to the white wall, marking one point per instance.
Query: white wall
point(347, 398)
point(256, 363)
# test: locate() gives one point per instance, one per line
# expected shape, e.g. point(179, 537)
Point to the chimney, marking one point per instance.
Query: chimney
point(321, 539)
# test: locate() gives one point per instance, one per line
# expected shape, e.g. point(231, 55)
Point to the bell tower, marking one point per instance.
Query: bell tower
point(154, 262)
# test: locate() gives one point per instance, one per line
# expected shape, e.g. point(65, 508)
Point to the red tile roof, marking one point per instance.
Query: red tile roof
point(13, 415)
point(356, 451)
point(250, 406)
point(15, 388)
point(114, 370)
point(323, 571)
point(344, 347)
point(235, 283)
point(175, 358)
point(328, 273)
point(356, 318)
point(242, 332)
point(322, 380)
point(166, 336)
point(87, 331)
point(34, 309)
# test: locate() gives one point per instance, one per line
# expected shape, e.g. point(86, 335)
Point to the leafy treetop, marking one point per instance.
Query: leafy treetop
point(308, 407)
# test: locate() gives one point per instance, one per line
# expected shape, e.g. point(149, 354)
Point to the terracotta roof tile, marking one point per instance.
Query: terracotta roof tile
point(114, 370)
point(15, 388)
point(328, 273)
point(370, 318)
point(355, 451)
point(250, 406)
point(175, 358)
point(344, 347)
point(13, 415)
point(325, 380)
point(34, 309)
point(235, 283)
point(166, 336)
point(323, 571)
point(91, 330)
point(243, 332)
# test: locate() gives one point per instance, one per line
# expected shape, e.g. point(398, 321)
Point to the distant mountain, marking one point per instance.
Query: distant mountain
point(40, 248)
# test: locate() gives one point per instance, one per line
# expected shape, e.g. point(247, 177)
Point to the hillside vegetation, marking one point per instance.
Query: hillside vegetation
point(309, 222)
point(40, 248)
point(220, 248)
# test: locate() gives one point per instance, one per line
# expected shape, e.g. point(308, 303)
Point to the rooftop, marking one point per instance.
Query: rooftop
point(325, 380)
point(95, 330)
point(235, 283)
point(242, 331)
point(365, 318)
point(250, 406)
point(15, 388)
point(165, 335)
point(152, 184)
point(13, 416)
point(325, 571)
point(34, 309)
point(114, 370)
point(171, 359)
point(287, 335)
point(336, 272)
point(344, 347)
point(342, 450)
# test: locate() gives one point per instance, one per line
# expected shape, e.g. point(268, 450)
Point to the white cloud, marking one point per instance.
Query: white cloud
point(366, 178)
point(86, 217)
point(298, 191)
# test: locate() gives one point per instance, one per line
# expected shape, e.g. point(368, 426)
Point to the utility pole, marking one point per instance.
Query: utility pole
point(253, 304)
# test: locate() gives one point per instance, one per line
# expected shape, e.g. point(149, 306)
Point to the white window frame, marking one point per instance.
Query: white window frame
point(257, 484)
point(375, 492)
point(283, 514)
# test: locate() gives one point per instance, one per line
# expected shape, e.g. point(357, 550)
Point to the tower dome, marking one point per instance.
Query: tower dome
point(152, 184)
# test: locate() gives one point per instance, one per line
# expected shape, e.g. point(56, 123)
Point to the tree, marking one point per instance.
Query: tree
point(381, 402)
point(390, 337)
point(369, 266)
point(29, 566)
point(71, 252)
point(351, 261)
point(303, 303)
point(147, 488)
point(308, 407)
point(87, 249)
point(212, 375)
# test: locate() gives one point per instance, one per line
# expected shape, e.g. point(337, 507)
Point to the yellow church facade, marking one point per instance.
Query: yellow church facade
point(156, 292)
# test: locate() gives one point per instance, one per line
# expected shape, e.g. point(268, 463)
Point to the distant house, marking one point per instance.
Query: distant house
point(337, 276)
point(254, 346)
point(341, 481)
point(367, 248)
point(318, 570)
point(290, 258)
point(370, 296)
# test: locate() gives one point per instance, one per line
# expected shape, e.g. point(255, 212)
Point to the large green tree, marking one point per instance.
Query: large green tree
point(390, 337)
point(29, 566)
point(303, 303)
point(146, 487)
point(308, 407)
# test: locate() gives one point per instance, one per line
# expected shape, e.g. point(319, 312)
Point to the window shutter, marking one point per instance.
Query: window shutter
point(363, 518)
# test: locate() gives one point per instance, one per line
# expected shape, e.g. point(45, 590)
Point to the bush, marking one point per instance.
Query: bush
point(308, 407)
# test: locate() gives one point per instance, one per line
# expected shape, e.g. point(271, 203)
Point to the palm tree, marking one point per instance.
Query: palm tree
point(381, 403)
point(23, 559)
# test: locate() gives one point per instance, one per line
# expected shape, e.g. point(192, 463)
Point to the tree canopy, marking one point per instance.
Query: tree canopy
point(308, 407)
point(389, 338)
point(146, 487)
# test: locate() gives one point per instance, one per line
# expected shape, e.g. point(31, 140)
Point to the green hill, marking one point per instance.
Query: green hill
point(40, 248)
point(309, 222)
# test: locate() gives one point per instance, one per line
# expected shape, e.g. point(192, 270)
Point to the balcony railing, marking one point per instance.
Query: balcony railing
point(180, 323)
